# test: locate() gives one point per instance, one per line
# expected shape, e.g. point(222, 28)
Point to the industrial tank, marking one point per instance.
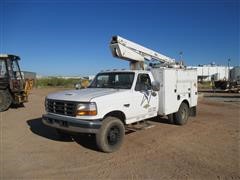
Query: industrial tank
point(235, 74)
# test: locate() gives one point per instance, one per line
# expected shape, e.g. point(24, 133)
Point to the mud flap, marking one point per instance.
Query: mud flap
point(193, 111)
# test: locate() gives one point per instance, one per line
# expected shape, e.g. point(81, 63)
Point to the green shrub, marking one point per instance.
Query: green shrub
point(56, 82)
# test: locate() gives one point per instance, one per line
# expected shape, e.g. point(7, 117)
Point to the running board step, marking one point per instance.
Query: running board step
point(139, 126)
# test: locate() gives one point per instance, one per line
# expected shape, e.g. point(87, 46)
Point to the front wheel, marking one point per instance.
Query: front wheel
point(181, 117)
point(5, 100)
point(111, 135)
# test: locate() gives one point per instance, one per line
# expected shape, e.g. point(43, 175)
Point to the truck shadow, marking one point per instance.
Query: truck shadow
point(159, 119)
point(84, 140)
point(38, 128)
point(16, 106)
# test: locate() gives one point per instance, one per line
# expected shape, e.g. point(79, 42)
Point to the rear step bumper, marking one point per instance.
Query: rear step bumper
point(72, 124)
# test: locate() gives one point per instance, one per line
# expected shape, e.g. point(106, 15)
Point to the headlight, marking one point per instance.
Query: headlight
point(46, 104)
point(86, 109)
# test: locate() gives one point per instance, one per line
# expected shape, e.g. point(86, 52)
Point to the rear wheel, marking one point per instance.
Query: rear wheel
point(181, 117)
point(111, 134)
point(5, 100)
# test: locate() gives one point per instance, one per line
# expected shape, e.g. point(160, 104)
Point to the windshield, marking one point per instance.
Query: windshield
point(116, 80)
point(3, 69)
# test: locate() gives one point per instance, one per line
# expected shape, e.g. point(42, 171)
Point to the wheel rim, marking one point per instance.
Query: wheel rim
point(113, 135)
point(183, 113)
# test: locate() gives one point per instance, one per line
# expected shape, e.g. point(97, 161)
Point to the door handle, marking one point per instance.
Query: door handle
point(154, 93)
point(126, 105)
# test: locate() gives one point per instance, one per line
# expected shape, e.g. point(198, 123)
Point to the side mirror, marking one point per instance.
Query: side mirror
point(77, 86)
point(155, 86)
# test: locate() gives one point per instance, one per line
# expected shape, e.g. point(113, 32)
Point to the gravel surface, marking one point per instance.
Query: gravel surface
point(206, 148)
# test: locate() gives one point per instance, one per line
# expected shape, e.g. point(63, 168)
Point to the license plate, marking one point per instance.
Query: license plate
point(63, 123)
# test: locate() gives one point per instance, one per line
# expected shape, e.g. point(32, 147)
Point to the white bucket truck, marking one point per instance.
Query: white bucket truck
point(118, 98)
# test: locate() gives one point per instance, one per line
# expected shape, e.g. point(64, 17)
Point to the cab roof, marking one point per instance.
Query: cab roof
point(9, 56)
point(122, 70)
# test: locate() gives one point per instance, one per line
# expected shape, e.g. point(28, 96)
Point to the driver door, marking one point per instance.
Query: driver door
point(145, 100)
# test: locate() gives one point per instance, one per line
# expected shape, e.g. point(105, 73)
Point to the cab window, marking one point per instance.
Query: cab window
point(143, 83)
point(16, 70)
point(3, 70)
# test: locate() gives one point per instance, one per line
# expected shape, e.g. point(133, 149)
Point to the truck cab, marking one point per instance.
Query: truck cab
point(132, 94)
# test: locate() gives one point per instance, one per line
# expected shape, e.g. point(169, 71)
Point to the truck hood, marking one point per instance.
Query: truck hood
point(82, 95)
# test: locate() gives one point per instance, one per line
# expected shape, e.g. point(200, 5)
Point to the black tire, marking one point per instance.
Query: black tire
point(5, 100)
point(181, 117)
point(111, 135)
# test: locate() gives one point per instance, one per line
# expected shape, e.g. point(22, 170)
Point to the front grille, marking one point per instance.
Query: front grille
point(61, 107)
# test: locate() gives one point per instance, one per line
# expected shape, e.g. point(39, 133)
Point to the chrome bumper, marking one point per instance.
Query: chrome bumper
point(72, 124)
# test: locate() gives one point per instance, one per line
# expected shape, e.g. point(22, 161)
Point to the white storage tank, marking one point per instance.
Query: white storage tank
point(235, 74)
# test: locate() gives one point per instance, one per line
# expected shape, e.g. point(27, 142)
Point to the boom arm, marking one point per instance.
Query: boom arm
point(135, 53)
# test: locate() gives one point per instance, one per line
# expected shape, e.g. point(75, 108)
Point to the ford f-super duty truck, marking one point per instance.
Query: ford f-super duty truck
point(118, 98)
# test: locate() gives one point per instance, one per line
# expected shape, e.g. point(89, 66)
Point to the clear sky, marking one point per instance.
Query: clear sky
point(72, 37)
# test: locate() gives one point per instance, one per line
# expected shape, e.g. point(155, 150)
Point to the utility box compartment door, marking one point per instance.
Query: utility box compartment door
point(176, 85)
point(187, 85)
point(167, 92)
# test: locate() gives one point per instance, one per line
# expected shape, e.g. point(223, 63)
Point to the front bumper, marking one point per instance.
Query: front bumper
point(72, 124)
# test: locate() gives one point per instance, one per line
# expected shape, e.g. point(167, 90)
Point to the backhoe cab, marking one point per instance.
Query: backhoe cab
point(13, 88)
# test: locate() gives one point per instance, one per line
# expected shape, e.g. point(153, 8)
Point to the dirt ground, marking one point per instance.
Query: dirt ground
point(206, 148)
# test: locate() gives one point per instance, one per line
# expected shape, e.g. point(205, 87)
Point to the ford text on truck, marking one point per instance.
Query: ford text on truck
point(118, 98)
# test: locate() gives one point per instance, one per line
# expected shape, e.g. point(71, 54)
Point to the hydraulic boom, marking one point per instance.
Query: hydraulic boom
point(137, 54)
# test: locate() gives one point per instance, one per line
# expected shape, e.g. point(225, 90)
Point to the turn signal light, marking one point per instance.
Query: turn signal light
point(86, 113)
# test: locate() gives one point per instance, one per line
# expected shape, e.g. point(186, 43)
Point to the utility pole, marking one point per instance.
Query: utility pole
point(229, 68)
point(181, 55)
